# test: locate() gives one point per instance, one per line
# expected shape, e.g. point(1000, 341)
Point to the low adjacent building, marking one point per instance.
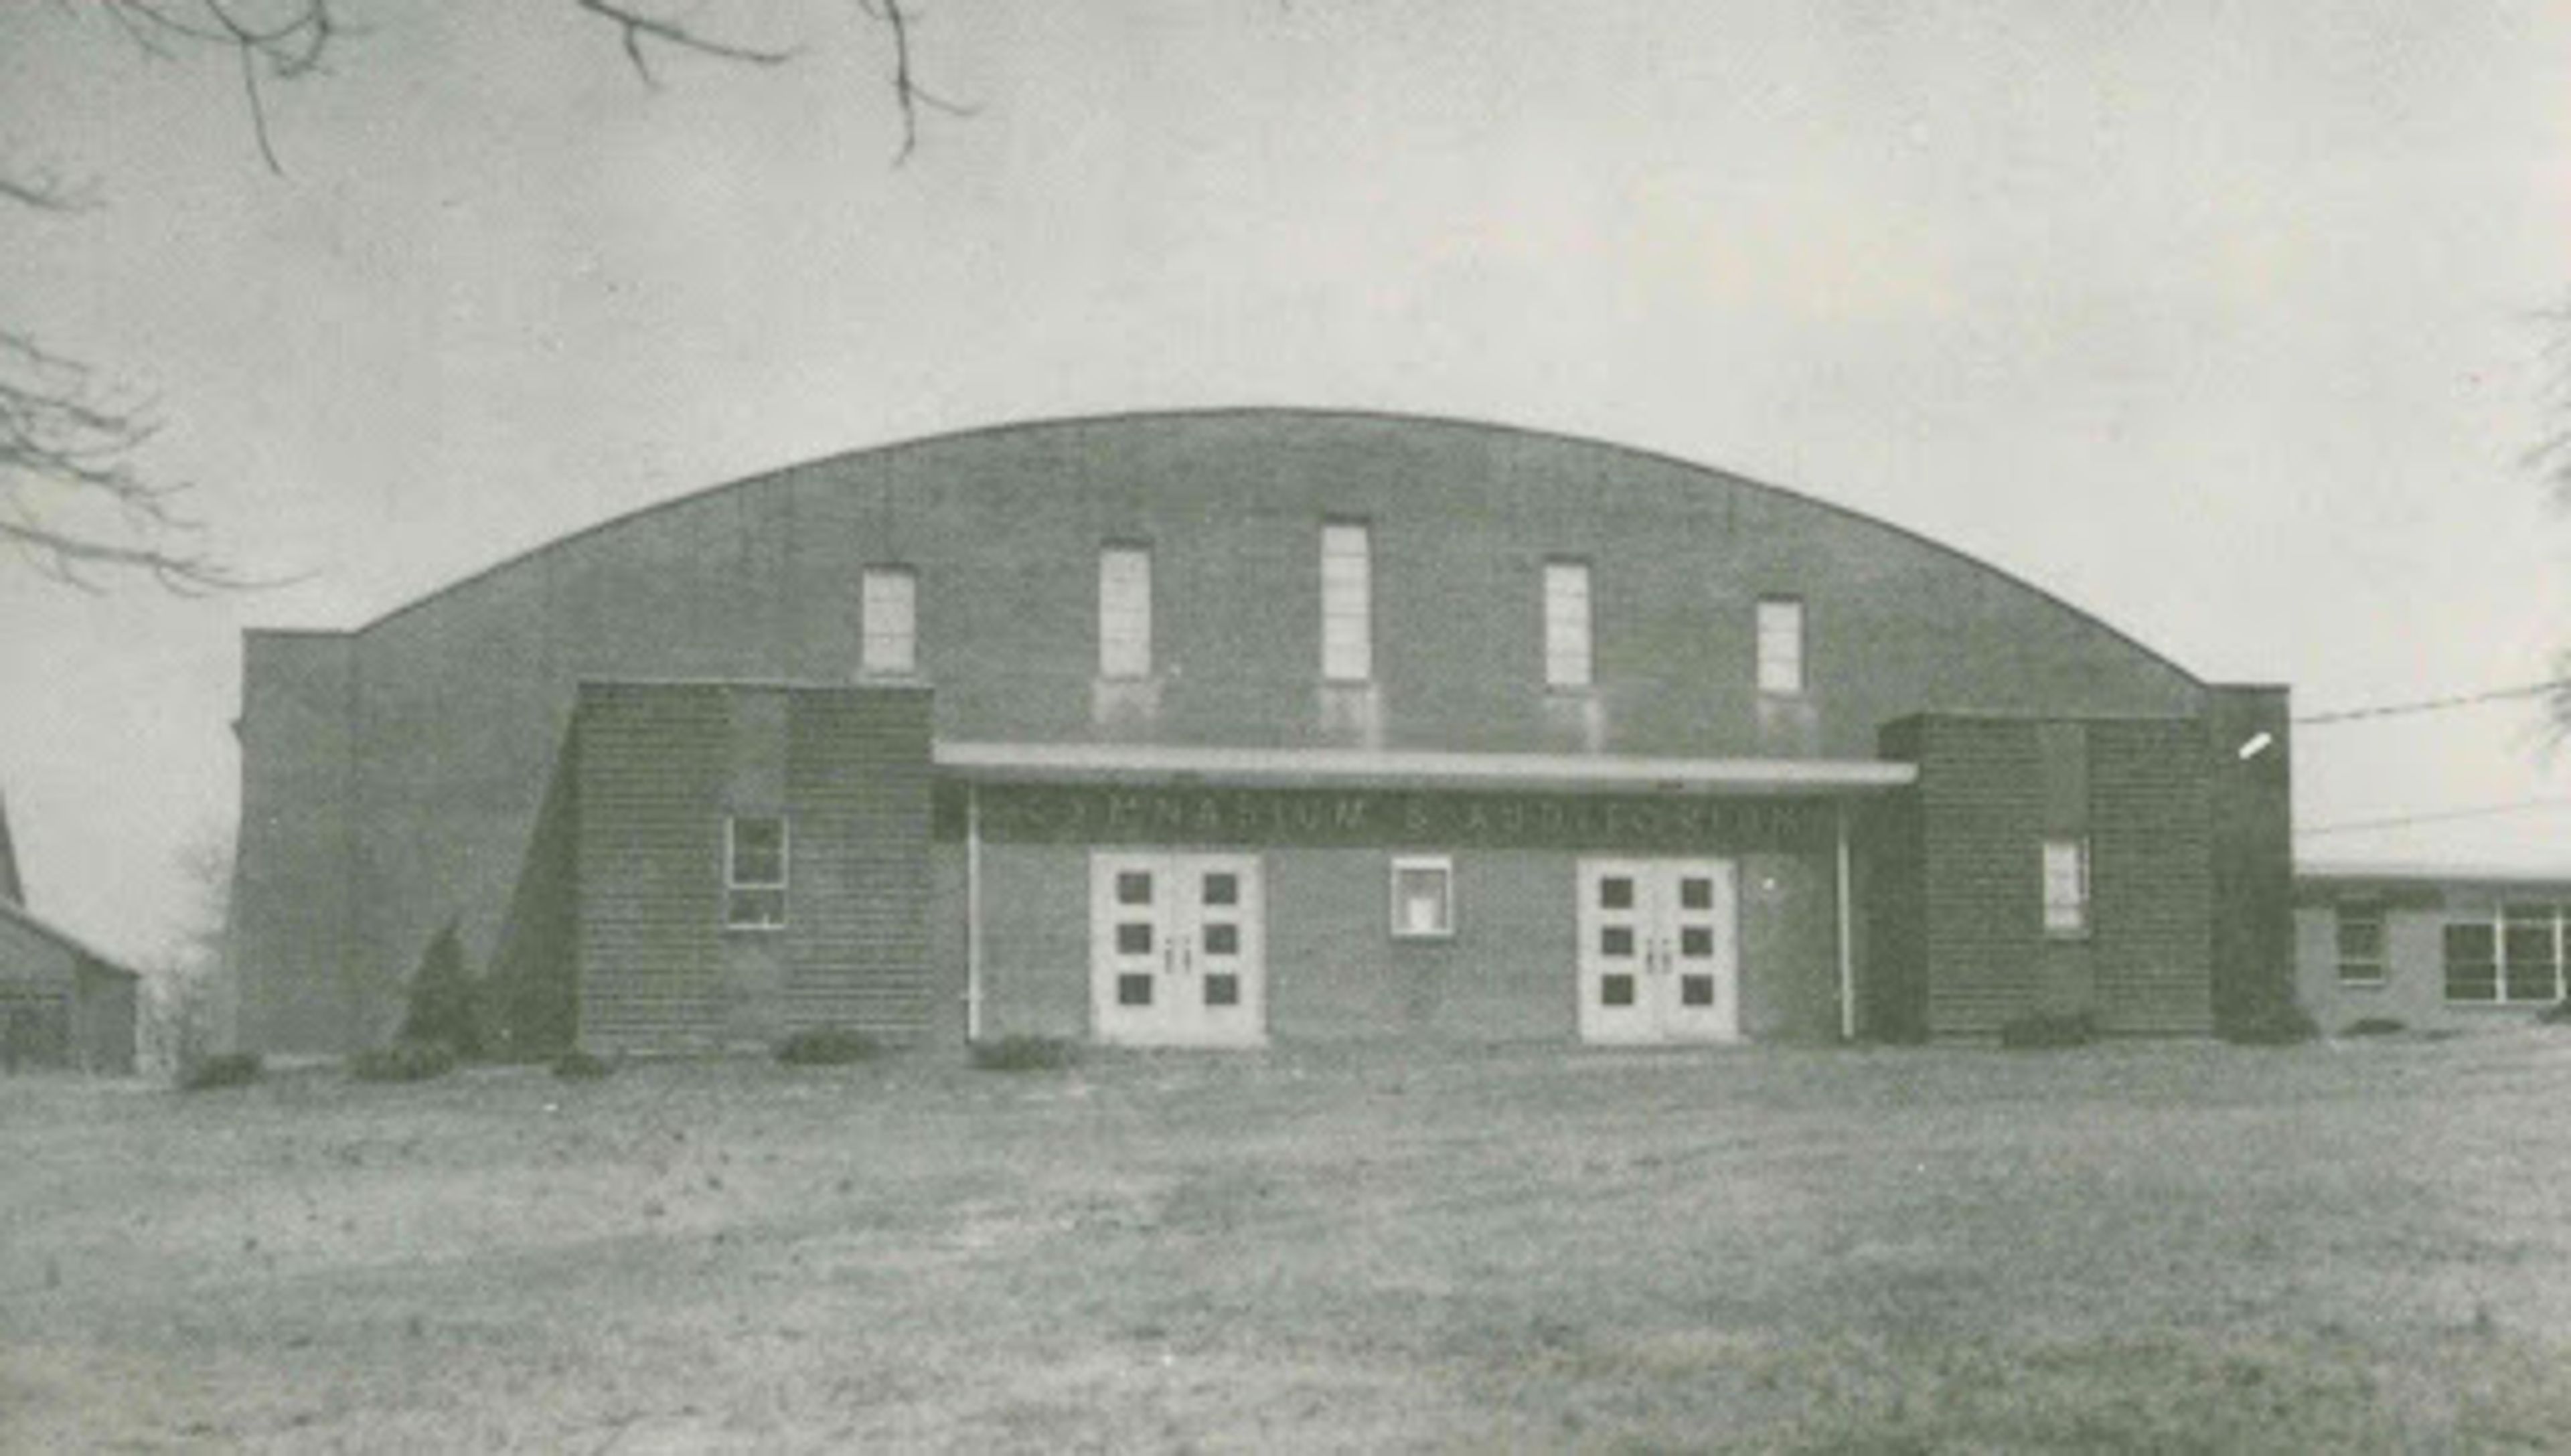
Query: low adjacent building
point(2429, 947)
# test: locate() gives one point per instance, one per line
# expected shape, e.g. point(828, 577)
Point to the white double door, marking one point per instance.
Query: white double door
point(1659, 958)
point(1178, 954)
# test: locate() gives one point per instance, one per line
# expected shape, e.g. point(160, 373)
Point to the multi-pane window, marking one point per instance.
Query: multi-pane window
point(2360, 944)
point(2066, 888)
point(1566, 623)
point(1124, 612)
point(1348, 603)
point(1780, 645)
point(755, 860)
point(889, 607)
point(1423, 897)
point(2472, 961)
point(2513, 954)
point(2529, 954)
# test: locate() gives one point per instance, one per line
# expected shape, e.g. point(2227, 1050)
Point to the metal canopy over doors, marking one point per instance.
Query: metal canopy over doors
point(1178, 953)
point(1659, 958)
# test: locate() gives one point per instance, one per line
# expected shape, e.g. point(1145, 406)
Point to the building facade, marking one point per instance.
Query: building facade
point(2429, 948)
point(1221, 727)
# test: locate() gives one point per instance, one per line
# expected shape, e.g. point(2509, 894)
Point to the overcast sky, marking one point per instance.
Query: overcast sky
point(2213, 318)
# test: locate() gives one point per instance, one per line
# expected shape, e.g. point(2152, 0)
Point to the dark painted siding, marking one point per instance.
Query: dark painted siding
point(2251, 802)
point(1982, 802)
point(1892, 985)
point(535, 973)
point(104, 1017)
point(2151, 877)
point(288, 947)
point(36, 988)
point(61, 1008)
point(857, 780)
point(650, 835)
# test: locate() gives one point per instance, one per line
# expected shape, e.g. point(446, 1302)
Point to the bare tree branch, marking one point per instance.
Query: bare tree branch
point(64, 442)
point(638, 27)
point(2550, 456)
point(907, 93)
point(73, 501)
point(288, 42)
point(47, 192)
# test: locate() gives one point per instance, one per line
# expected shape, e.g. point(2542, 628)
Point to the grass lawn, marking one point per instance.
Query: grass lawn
point(2358, 1246)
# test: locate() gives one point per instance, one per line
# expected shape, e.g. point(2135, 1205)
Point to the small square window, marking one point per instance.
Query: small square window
point(1696, 893)
point(1222, 889)
point(1223, 939)
point(1695, 942)
point(1423, 897)
point(1134, 887)
point(1616, 892)
point(1695, 990)
point(1223, 990)
point(1134, 937)
point(1133, 990)
point(1616, 990)
point(1616, 942)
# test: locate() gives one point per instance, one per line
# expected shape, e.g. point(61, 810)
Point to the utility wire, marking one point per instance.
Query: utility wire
point(2401, 821)
point(2435, 704)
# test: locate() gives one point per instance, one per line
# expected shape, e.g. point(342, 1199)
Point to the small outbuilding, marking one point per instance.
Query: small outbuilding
point(62, 1005)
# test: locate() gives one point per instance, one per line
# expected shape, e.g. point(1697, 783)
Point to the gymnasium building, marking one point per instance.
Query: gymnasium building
point(1236, 728)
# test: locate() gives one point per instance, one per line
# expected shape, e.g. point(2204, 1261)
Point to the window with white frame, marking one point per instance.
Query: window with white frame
point(1566, 623)
point(1780, 645)
point(889, 608)
point(1124, 612)
point(2508, 954)
point(2066, 888)
point(756, 851)
point(1348, 603)
point(2360, 943)
point(1423, 897)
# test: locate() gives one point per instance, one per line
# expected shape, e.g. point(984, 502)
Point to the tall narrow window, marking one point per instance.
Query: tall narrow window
point(2066, 888)
point(1566, 623)
point(2531, 968)
point(2360, 943)
point(1348, 603)
point(1124, 612)
point(1780, 645)
point(891, 619)
point(755, 855)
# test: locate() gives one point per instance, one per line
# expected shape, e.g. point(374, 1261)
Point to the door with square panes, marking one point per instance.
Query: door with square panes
point(1178, 950)
point(1658, 951)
